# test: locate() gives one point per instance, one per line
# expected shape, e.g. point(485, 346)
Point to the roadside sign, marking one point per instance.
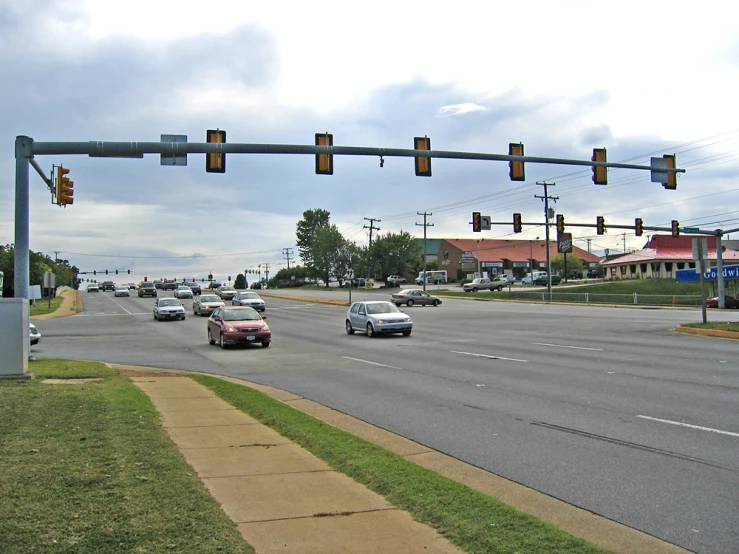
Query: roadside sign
point(485, 223)
point(691, 230)
point(171, 159)
point(564, 243)
point(700, 249)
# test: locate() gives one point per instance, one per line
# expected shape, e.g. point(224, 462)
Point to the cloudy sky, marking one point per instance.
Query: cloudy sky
point(638, 78)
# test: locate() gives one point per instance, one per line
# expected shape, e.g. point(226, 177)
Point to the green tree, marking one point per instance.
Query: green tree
point(306, 231)
point(332, 253)
point(574, 265)
point(394, 254)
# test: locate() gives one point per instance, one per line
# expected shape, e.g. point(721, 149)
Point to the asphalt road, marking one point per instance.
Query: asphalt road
point(605, 408)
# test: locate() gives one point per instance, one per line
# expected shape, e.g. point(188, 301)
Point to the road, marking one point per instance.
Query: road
point(604, 408)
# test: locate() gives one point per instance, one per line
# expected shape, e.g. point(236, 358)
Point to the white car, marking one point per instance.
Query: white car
point(34, 334)
point(206, 303)
point(93, 287)
point(183, 292)
point(396, 280)
point(377, 317)
point(168, 308)
point(121, 290)
point(251, 299)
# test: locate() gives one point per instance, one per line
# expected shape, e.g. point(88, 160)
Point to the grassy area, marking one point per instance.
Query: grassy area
point(720, 325)
point(41, 306)
point(88, 469)
point(475, 522)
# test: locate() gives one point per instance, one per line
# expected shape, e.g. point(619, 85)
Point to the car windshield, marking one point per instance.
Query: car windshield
point(169, 302)
point(183, 288)
point(252, 295)
point(209, 298)
point(382, 308)
point(240, 315)
point(229, 289)
point(477, 281)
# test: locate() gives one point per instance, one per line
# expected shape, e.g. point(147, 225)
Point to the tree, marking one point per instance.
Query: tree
point(306, 233)
point(575, 265)
point(394, 254)
point(332, 253)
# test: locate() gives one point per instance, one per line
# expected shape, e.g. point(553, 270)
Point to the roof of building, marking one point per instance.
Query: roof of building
point(669, 248)
point(496, 250)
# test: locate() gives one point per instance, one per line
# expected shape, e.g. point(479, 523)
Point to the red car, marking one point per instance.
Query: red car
point(231, 325)
point(729, 302)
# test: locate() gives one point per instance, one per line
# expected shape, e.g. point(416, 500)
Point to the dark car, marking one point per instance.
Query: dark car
point(729, 302)
point(194, 287)
point(543, 280)
point(232, 325)
point(107, 285)
point(169, 284)
point(147, 288)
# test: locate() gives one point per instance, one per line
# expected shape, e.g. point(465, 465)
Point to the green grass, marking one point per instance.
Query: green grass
point(475, 522)
point(41, 306)
point(87, 468)
point(720, 325)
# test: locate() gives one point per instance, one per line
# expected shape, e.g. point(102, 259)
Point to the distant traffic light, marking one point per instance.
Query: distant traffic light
point(517, 226)
point(324, 162)
point(106, 271)
point(516, 170)
point(64, 187)
point(215, 162)
point(675, 228)
point(94, 272)
point(671, 183)
point(476, 222)
point(129, 272)
point(560, 223)
point(600, 175)
point(116, 272)
point(423, 164)
point(600, 224)
point(638, 226)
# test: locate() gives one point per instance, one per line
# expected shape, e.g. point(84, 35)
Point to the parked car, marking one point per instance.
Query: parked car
point(34, 334)
point(183, 292)
point(226, 292)
point(395, 280)
point(147, 288)
point(121, 290)
point(481, 283)
point(377, 317)
point(504, 280)
point(409, 297)
point(251, 299)
point(232, 325)
point(168, 308)
point(107, 285)
point(543, 280)
point(729, 302)
point(93, 287)
point(206, 303)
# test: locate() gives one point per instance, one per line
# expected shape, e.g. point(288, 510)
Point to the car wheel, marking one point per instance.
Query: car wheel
point(409, 303)
point(223, 342)
point(370, 330)
point(155, 317)
point(211, 340)
point(435, 303)
point(499, 288)
point(183, 318)
point(349, 329)
point(265, 344)
point(474, 289)
point(406, 333)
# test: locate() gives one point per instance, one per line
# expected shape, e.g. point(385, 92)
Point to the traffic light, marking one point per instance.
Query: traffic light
point(324, 162)
point(600, 224)
point(638, 226)
point(423, 165)
point(94, 271)
point(215, 162)
point(476, 222)
point(675, 228)
point(517, 223)
point(116, 272)
point(600, 175)
point(129, 272)
point(106, 271)
point(64, 187)
point(671, 183)
point(516, 170)
point(560, 223)
point(146, 279)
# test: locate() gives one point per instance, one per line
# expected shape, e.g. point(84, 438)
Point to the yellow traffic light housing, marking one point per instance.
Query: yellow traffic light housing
point(600, 173)
point(64, 187)
point(423, 164)
point(638, 226)
point(516, 170)
point(476, 222)
point(675, 228)
point(600, 225)
point(560, 223)
point(671, 183)
point(215, 162)
point(324, 162)
point(517, 226)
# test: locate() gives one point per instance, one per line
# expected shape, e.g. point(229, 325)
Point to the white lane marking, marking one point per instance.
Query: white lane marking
point(121, 307)
point(368, 362)
point(489, 356)
point(690, 426)
point(568, 346)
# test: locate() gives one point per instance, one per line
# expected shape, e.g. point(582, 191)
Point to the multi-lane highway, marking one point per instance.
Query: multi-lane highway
point(605, 408)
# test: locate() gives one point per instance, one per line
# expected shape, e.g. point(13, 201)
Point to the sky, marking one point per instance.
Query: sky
point(640, 79)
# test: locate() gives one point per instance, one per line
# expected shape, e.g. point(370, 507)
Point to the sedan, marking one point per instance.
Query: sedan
point(377, 317)
point(121, 290)
point(92, 287)
point(251, 299)
point(34, 334)
point(183, 292)
point(226, 293)
point(168, 308)
point(729, 302)
point(232, 325)
point(206, 303)
point(409, 297)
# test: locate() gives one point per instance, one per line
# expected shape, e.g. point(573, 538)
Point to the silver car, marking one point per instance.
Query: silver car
point(251, 299)
point(121, 290)
point(168, 308)
point(183, 292)
point(409, 297)
point(206, 303)
point(34, 334)
point(377, 317)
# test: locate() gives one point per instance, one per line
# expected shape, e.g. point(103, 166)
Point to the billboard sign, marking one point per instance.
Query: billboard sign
point(564, 243)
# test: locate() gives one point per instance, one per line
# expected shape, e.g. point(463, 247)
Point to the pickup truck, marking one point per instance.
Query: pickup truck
point(483, 283)
point(169, 284)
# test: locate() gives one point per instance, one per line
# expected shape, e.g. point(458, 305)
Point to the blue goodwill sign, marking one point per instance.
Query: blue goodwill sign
point(685, 275)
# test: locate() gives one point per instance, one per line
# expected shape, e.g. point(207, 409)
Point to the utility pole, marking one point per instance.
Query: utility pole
point(56, 255)
point(424, 225)
point(371, 227)
point(286, 252)
point(547, 216)
point(266, 272)
point(589, 240)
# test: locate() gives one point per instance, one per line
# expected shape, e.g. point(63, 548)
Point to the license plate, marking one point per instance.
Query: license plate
point(250, 337)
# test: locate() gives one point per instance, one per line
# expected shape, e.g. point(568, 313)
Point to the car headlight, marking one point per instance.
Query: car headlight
point(265, 328)
point(381, 322)
point(230, 329)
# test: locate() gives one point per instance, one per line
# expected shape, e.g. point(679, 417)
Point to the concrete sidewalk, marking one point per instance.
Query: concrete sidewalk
point(284, 499)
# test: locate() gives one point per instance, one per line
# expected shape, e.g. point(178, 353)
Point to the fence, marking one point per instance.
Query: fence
point(634, 299)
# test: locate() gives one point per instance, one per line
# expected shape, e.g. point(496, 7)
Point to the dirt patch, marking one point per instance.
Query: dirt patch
point(81, 381)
